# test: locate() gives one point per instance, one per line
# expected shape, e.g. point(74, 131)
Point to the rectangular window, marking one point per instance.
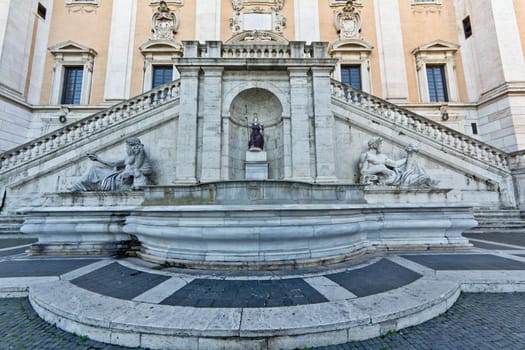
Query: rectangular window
point(161, 75)
point(41, 11)
point(437, 85)
point(351, 75)
point(474, 127)
point(72, 86)
point(467, 27)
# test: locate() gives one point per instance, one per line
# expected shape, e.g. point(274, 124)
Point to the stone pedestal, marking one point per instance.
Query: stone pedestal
point(256, 166)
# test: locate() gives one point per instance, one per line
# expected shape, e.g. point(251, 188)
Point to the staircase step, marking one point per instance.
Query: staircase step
point(11, 224)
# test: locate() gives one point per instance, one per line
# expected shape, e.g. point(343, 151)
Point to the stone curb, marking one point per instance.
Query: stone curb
point(130, 323)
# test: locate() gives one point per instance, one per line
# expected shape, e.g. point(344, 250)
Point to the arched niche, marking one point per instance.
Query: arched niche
point(268, 109)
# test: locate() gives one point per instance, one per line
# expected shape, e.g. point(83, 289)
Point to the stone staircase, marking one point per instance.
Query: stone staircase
point(10, 225)
point(497, 221)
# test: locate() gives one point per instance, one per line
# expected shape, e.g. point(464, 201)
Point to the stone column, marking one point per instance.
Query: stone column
point(211, 131)
point(324, 126)
point(186, 157)
point(390, 48)
point(299, 131)
point(120, 54)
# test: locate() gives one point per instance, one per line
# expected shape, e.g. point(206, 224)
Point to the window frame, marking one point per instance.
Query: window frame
point(75, 100)
point(159, 53)
point(69, 54)
point(355, 68)
point(153, 70)
point(433, 68)
point(436, 53)
point(353, 52)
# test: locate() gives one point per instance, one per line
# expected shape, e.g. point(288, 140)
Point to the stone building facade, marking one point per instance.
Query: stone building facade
point(458, 62)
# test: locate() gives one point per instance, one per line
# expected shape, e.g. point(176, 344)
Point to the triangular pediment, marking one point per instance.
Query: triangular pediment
point(351, 45)
point(71, 47)
point(436, 45)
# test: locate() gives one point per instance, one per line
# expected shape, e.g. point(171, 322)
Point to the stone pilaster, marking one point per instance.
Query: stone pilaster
point(211, 134)
point(306, 20)
point(186, 158)
point(324, 126)
point(120, 54)
point(390, 49)
point(208, 20)
point(300, 144)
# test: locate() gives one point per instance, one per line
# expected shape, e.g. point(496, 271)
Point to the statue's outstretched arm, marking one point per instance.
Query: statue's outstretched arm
point(113, 164)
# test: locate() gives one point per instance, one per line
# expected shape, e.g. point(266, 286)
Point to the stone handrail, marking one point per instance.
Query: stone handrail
point(517, 159)
point(425, 127)
point(87, 126)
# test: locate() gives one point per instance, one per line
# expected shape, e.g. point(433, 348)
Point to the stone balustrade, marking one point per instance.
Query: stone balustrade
point(87, 126)
point(245, 50)
point(517, 160)
point(259, 51)
point(446, 137)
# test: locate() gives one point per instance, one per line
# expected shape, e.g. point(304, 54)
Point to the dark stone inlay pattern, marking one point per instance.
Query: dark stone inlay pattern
point(490, 246)
point(118, 281)
point(13, 251)
point(13, 242)
point(466, 262)
point(39, 268)
point(499, 237)
point(245, 293)
point(376, 278)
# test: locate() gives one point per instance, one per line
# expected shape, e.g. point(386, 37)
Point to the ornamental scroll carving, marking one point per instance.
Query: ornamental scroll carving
point(271, 9)
point(348, 22)
point(164, 23)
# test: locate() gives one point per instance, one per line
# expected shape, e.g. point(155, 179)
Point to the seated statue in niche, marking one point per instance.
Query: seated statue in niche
point(256, 142)
point(377, 168)
point(130, 173)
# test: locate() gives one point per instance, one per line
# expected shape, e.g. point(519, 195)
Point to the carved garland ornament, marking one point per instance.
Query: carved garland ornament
point(164, 23)
point(348, 22)
point(278, 19)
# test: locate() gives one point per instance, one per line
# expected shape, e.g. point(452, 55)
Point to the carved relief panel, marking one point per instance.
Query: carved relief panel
point(164, 23)
point(348, 22)
point(257, 15)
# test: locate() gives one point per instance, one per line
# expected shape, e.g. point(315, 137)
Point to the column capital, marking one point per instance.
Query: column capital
point(189, 72)
point(321, 72)
point(298, 72)
point(213, 71)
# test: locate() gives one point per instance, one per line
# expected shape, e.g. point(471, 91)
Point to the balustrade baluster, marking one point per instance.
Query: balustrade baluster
point(24, 153)
point(45, 146)
point(69, 135)
point(35, 151)
point(114, 115)
point(91, 125)
point(12, 160)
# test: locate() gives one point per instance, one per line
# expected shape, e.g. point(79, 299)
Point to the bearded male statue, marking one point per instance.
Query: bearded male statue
point(130, 173)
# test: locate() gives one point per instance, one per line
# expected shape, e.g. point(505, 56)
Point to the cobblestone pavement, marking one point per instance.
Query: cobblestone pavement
point(476, 321)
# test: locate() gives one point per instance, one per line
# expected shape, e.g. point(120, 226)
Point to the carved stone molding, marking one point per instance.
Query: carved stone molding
point(164, 23)
point(257, 36)
point(260, 15)
point(82, 6)
point(348, 22)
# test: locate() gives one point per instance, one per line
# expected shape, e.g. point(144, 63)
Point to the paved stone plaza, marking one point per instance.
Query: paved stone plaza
point(477, 320)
